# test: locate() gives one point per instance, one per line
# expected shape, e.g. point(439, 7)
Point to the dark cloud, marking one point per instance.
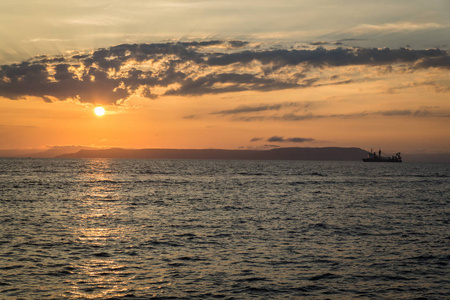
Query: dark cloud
point(434, 62)
point(299, 140)
point(333, 57)
point(255, 139)
point(319, 43)
point(280, 139)
point(275, 139)
point(227, 82)
point(237, 44)
point(111, 75)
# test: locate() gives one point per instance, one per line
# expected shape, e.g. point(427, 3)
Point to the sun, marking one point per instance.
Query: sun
point(99, 111)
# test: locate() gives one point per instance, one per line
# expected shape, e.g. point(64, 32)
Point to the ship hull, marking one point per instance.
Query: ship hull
point(380, 160)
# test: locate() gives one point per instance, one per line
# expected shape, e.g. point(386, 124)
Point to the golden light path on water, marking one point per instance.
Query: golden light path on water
point(100, 273)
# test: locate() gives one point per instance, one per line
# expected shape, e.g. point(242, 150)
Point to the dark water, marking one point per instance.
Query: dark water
point(223, 229)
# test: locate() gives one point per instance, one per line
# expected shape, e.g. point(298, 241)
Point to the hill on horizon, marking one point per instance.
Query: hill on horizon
point(293, 153)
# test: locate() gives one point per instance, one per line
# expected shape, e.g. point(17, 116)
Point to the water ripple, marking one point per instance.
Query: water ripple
point(139, 229)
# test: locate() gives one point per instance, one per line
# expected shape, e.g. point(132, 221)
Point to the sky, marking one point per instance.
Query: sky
point(226, 74)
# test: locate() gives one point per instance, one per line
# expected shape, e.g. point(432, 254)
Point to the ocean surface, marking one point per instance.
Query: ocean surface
point(174, 229)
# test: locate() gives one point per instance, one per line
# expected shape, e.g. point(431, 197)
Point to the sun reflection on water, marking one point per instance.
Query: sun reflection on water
point(98, 272)
point(99, 180)
point(99, 278)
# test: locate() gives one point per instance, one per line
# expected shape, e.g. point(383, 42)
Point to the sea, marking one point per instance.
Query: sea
point(223, 229)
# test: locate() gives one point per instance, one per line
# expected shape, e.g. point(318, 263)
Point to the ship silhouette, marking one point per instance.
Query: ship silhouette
point(372, 156)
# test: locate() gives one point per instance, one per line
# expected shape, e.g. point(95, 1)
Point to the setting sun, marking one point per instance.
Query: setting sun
point(99, 111)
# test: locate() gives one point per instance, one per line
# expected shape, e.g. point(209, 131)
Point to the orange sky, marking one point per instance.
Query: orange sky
point(344, 115)
point(334, 80)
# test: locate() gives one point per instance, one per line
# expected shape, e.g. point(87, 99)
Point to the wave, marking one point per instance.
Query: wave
point(324, 276)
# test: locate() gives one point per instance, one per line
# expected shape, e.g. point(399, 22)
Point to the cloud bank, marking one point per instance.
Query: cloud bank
point(112, 75)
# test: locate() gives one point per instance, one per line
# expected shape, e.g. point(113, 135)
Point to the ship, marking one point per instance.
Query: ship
point(372, 156)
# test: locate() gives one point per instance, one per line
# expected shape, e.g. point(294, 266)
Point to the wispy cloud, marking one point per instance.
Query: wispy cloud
point(261, 108)
point(292, 117)
point(438, 87)
point(46, 40)
point(393, 27)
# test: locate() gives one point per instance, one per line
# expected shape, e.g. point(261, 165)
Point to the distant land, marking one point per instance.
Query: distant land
point(39, 153)
point(272, 154)
point(291, 153)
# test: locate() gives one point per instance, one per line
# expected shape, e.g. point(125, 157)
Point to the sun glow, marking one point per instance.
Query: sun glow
point(99, 111)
